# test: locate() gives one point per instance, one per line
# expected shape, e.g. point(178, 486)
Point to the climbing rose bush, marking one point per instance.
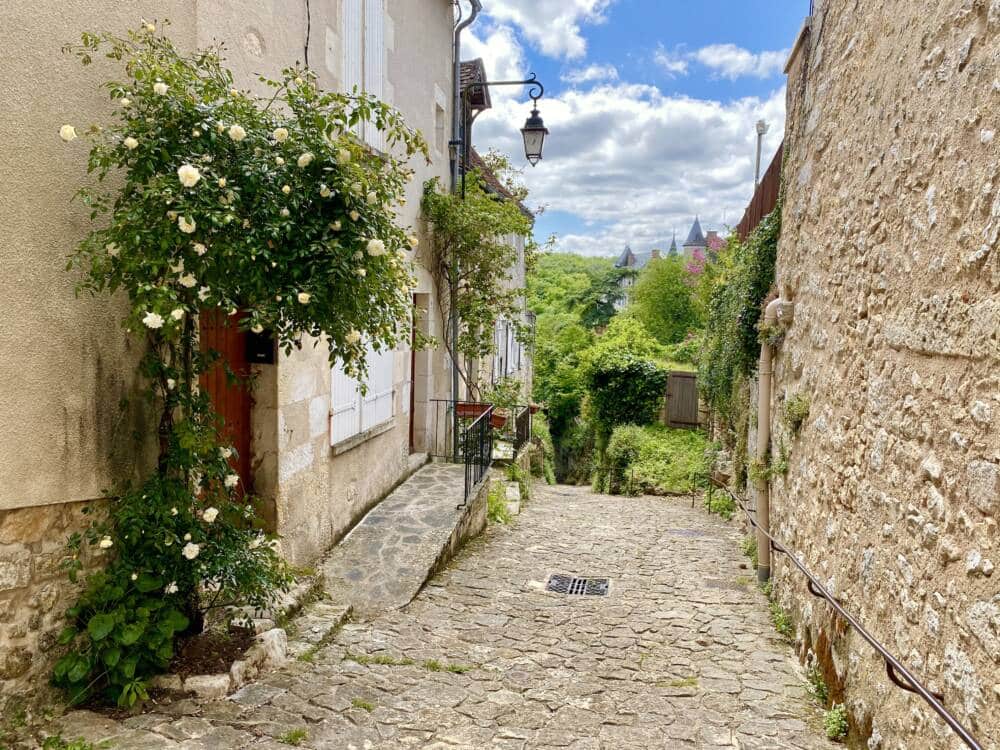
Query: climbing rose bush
point(271, 210)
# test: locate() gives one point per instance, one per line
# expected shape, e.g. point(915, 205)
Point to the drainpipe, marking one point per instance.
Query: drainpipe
point(457, 150)
point(778, 310)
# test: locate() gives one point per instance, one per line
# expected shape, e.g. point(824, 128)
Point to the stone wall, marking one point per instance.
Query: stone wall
point(889, 251)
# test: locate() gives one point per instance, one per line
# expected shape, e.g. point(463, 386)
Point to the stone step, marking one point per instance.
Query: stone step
point(315, 626)
point(513, 490)
point(386, 559)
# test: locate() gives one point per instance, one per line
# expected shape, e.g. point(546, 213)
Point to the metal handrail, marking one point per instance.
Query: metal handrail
point(477, 450)
point(893, 667)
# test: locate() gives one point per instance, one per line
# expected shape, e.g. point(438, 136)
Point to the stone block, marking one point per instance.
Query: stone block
point(274, 643)
point(208, 686)
point(167, 682)
point(984, 486)
point(15, 566)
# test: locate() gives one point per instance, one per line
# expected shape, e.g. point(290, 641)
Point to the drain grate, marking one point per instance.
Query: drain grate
point(577, 585)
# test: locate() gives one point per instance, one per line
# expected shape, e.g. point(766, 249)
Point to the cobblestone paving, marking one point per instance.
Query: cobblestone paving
point(680, 654)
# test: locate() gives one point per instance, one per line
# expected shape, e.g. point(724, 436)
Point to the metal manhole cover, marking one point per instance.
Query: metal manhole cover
point(577, 585)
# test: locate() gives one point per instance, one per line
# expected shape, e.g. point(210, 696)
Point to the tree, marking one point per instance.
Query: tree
point(561, 343)
point(471, 254)
point(663, 300)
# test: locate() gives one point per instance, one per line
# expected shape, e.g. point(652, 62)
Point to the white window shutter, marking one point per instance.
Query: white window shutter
point(345, 406)
point(376, 405)
point(353, 36)
point(374, 43)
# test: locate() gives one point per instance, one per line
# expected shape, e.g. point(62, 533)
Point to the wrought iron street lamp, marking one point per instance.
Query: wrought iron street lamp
point(534, 130)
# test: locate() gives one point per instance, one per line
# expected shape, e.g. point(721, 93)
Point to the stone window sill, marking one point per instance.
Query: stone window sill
point(354, 441)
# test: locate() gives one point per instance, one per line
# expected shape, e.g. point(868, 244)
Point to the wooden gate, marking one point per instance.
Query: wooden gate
point(231, 400)
point(682, 400)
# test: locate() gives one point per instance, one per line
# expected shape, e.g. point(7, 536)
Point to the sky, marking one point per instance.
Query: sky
point(650, 104)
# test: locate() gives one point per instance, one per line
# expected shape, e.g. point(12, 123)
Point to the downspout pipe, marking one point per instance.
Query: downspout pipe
point(457, 150)
point(778, 310)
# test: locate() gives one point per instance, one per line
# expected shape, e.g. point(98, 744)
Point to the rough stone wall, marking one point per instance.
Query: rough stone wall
point(889, 251)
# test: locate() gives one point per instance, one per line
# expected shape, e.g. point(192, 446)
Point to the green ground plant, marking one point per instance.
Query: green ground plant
point(362, 704)
point(797, 412)
point(496, 504)
point(817, 685)
point(543, 457)
point(749, 547)
point(657, 460)
point(835, 722)
point(294, 737)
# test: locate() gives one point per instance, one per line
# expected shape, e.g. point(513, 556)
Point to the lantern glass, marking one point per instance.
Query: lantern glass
point(534, 132)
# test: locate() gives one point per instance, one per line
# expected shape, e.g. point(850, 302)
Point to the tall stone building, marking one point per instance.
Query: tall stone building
point(889, 253)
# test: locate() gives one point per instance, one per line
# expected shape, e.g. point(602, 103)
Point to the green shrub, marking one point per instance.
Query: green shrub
point(671, 460)
point(625, 389)
point(624, 449)
point(817, 685)
point(749, 547)
point(783, 622)
point(720, 503)
point(796, 412)
point(496, 504)
point(575, 455)
point(835, 722)
point(543, 459)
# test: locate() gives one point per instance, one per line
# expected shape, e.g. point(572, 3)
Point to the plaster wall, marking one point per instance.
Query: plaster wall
point(889, 251)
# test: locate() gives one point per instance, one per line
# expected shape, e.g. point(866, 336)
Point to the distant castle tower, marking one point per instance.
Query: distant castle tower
point(673, 246)
point(696, 239)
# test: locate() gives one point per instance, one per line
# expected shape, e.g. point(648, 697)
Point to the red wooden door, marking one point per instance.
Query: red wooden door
point(230, 399)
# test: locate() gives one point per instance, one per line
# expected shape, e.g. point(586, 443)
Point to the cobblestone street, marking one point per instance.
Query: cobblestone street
point(680, 654)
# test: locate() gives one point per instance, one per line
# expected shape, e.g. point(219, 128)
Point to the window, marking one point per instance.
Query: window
point(364, 56)
point(352, 413)
point(508, 352)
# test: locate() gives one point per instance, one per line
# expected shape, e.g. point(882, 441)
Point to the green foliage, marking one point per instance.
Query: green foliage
point(56, 742)
point(472, 255)
point(662, 300)
point(625, 381)
point(781, 619)
point(565, 283)
point(515, 473)
point(656, 460)
point(835, 722)
point(496, 504)
point(576, 451)
point(749, 547)
point(817, 685)
point(363, 704)
point(684, 352)
point(796, 412)
point(219, 200)
point(543, 458)
point(559, 382)
point(505, 394)
point(294, 737)
point(719, 503)
point(741, 282)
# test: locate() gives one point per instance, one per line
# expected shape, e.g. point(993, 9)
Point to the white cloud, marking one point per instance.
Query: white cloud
point(732, 62)
point(553, 26)
point(591, 74)
point(634, 164)
point(501, 54)
point(674, 63)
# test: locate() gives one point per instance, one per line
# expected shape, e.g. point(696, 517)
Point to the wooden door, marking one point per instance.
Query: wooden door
point(682, 399)
point(231, 399)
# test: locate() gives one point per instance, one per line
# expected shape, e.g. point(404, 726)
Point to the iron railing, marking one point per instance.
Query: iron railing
point(897, 673)
point(522, 427)
point(477, 450)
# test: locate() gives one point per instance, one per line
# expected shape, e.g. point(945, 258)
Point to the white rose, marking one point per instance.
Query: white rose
point(237, 133)
point(413, 240)
point(112, 249)
point(280, 135)
point(203, 293)
point(149, 26)
point(177, 313)
point(226, 452)
point(376, 248)
point(335, 226)
point(160, 88)
point(125, 102)
point(221, 182)
point(286, 189)
point(173, 511)
point(372, 197)
point(361, 272)
point(285, 212)
point(354, 215)
point(343, 156)
point(171, 588)
point(105, 543)
point(168, 541)
point(234, 92)
point(67, 133)
point(324, 191)
point(258, 328)
point(232, 480)
point(304, 297)
point(220, 127)
point(210, 515)
point(196, 132)
point(152, 320)
point(178, 267)
point(187, 280)
point(358, 255)
point(353, 336)
point(188, 174)
point(187, 537)
point(134, 576)
point(131, 143)
point(305, 160)
point(171, 384)
point(200, 249)
point(279, 161)
point(186, 225)
point(190, 550)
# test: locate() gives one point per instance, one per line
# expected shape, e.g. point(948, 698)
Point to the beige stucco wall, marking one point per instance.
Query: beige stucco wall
point(889, 250)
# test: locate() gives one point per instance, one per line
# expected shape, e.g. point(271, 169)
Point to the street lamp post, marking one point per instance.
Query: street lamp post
point(761, 130)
